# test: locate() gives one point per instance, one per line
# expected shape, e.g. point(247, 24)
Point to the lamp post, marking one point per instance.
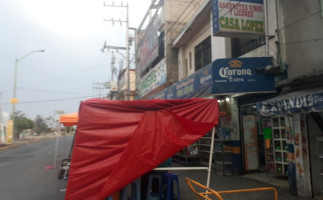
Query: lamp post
point(14, 100)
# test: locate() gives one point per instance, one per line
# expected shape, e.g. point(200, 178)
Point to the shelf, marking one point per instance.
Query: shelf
point(207, 145)
point(222, 151)
point(204, 151)
point(284, 151)
point(206, 138)
point(279, 139)
point(280, 162)
point(222, 140)
point(223, 163)
point(186, 159)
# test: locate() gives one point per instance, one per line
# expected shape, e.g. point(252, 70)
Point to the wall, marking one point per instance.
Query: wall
point(189, 48)
point(272, 26)
point(314, 131)
point(132, 80)
point(301, 156)
point(301, 36)
point(177, 14)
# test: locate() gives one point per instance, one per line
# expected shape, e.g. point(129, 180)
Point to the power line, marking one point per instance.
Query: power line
point(303, 41)
point(52, 100)
point(48, 91)
point(311, 15)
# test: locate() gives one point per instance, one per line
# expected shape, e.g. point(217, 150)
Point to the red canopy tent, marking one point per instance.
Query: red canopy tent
point(118, 141)
point(69, 119)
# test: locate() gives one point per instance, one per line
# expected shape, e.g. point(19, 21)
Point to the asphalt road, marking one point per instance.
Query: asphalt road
point(23, 174)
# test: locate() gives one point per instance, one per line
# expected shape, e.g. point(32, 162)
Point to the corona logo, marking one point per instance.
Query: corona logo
point(235, 63)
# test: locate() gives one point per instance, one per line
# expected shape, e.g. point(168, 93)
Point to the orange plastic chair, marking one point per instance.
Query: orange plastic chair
point(209, 191)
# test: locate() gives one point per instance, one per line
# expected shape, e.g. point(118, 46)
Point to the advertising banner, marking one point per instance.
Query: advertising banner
point(242, 75)
point(9, 135)
point(195, 85)
point(238, 18)
point(302, 101)
point(155, 77)
point(148, 47)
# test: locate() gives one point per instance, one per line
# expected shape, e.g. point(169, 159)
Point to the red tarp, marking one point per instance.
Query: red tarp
point(118, 141)
point(69, 119)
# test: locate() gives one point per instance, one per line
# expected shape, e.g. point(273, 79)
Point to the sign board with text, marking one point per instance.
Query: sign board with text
point(242, 75)
point(155, 78)
point(238, 18)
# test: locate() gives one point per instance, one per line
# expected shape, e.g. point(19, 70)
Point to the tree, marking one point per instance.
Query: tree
point(40, 125)
point(22, 123)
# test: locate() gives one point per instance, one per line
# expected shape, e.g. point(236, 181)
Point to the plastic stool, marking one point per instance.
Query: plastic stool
point(114, 196)
point(151, 194)
point(168, 180)
point(135, 191)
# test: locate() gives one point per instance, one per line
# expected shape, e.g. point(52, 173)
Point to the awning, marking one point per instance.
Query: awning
point(118, 141)
point(295, 102)
point(69, 119)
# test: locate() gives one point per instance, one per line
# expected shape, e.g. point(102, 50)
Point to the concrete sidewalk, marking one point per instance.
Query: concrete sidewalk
point(27, 140)
point(221, 183)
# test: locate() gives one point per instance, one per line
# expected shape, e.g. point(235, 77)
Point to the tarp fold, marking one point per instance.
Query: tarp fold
point(118, 141)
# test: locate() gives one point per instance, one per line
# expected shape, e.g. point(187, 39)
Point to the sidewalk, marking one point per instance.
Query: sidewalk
point(221, 183)
point(27, 140)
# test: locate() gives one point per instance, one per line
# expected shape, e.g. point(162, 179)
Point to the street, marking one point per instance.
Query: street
point(23, 174)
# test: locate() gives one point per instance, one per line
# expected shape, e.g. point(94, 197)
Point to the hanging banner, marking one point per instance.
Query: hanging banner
point(296, 102)
point(195, 85)
point(148, 46)
point(242, 75)
point(238, 18)
point(155, 78)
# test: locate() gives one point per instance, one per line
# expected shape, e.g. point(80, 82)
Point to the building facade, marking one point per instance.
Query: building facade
point(262, 60)
point(156, 59)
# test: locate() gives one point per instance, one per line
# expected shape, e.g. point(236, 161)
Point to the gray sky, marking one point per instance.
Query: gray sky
point(72, 32)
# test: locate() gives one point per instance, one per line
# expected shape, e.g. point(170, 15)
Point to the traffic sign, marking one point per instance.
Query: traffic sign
point(13, 100)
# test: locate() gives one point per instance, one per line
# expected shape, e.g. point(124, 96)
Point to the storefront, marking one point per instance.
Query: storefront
point(224, 79)
point(294, 133)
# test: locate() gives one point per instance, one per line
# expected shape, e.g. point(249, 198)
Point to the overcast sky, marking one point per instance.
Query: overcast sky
point(71, 32)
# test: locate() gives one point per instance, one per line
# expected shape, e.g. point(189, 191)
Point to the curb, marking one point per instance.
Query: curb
point(10, 146)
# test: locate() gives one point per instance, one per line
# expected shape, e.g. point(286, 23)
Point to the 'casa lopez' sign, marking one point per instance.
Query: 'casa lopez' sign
point(238, 18)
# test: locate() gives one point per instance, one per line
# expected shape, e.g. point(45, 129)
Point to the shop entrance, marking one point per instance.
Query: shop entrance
point(253, 139)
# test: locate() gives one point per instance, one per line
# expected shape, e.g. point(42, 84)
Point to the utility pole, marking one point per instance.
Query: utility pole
point(100, 87)
point(1, 123)
point(127, 39)
point(113, 61)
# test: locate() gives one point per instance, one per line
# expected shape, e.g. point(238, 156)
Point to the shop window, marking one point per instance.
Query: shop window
point(203, 54)
point(241, 46)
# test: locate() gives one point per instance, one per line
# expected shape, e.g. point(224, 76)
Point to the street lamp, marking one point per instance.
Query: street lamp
point(14, 100)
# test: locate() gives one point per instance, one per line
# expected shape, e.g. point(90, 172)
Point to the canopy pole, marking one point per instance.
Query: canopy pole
point(210, 158)
point(55, 153)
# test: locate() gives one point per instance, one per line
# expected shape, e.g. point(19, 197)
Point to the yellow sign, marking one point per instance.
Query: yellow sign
point(13, 100)
point(9, 135)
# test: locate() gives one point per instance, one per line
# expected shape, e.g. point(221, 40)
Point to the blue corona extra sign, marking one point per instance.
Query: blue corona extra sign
point(241, 75)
